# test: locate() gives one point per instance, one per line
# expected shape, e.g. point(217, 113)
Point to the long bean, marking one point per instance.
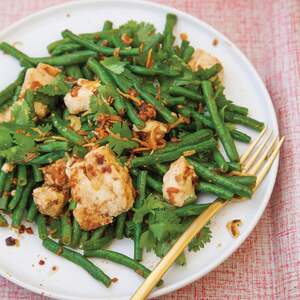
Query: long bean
point(3, 221)
point(211, 176)
point(32, 212)
point(181, 91)
point(66, 229)
point(220, 161)
point(172, 155)
point(133, 115)
point(221, 129)
point(240, 136)
point(120, 225)
point(66, 48)
point(214, 189)
point(152, 71)
point(98, 233)
point(244, 120)
point(103, 75)
point(20, 209)
point(161, 109)
point(191, 210)
point(141, 187)
point(74, 71)
point(77, 259)
point(87, 73)
point(42, 227)
point(168, 38)
point(97, 48)
point(47, 158)
point(53, 146)
point(22, 175)
point(76, 234)
point(68, 133)
point(24, 59)
point(121, 259)
point(6, 191)
point(37, 173)
point(16, 198)
point(206, 74)
point(74, 58)
point(245, 180)
point(97, 244)
point(9, 91)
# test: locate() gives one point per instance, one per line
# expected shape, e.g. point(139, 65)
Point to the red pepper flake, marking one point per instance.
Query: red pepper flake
point(100, 159)
point(22, 229)
point(41, 262)
point(10, 241)
point(114, 279)
point(106, 169)
point(29, 230)
point(215, 42)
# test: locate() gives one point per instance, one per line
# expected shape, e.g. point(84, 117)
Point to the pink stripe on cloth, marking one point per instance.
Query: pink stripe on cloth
point(267, 265)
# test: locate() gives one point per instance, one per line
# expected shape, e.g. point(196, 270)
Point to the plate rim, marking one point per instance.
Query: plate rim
point(246, 61)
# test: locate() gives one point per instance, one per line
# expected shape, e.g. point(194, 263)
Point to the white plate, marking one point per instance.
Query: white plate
point(243, 84)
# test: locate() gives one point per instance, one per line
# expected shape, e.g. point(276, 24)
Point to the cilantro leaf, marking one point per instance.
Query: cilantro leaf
point(122, 129)
point(23, 112)
point(151, 203)
point(98, 105)
point(114, 64)
point(5, 138)
point(57, 88)
point(199, 241)
point(119, 146)
point(148, 240)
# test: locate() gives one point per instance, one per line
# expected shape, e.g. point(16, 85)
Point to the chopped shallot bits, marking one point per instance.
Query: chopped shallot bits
point(233, 227)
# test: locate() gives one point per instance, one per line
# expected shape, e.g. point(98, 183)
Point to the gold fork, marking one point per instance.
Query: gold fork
point(259, 164)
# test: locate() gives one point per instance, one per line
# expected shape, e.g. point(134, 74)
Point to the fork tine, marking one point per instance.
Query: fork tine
point(252, 159)
point(264, 156)
point(261, 175)
point(251, 146)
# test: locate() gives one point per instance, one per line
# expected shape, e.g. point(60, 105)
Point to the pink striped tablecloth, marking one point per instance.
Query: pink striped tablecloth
point(267, 266)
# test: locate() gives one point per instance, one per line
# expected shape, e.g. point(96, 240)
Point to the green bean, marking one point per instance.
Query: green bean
point(73, 58)
point(121, 259)
point(72, 205)
point(190, 139)
point(16, 198)
point(188, 53)
point(108, 25)
point(97, 48)
point(222, 101)
point(160, 168)
point(20, 209)
point(214, 189)
point(98, 233)
point(53, 146)
point(120, 225)
point(212, 177)
point(133, 116)
point(141, 187)
point(77, 259)
point(87, 73)
point(206, 74)
point(151, 182)
point(66, 48)
point(121, 81)
point(74, 71)
point(185, 92)
point(240, 136)
point(32, 212)
point(168, 38)
point(245, 180)
point(152, 71)
point(191, 210)
point(3, 176)
point(152, 43)
point(6, 191)
point(24, 59)
point(221, 129)
point(66, 132)
point(161, 109)
point(172, 101)
point(220, 160)
point(66, 229)
point(234, 166)
point(9, 91)
point(37, 173)
point(84, 237)
point(47, 158)
point(76, 234)
point(42, 227)
point(184, 44)
point(55, 228)
point(22, 175)
point(172, 155)
point(3, 221)
point(103, 75)
point(97, 244)
point(244, 120)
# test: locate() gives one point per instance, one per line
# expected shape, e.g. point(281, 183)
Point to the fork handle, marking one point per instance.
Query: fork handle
point(162, 267)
